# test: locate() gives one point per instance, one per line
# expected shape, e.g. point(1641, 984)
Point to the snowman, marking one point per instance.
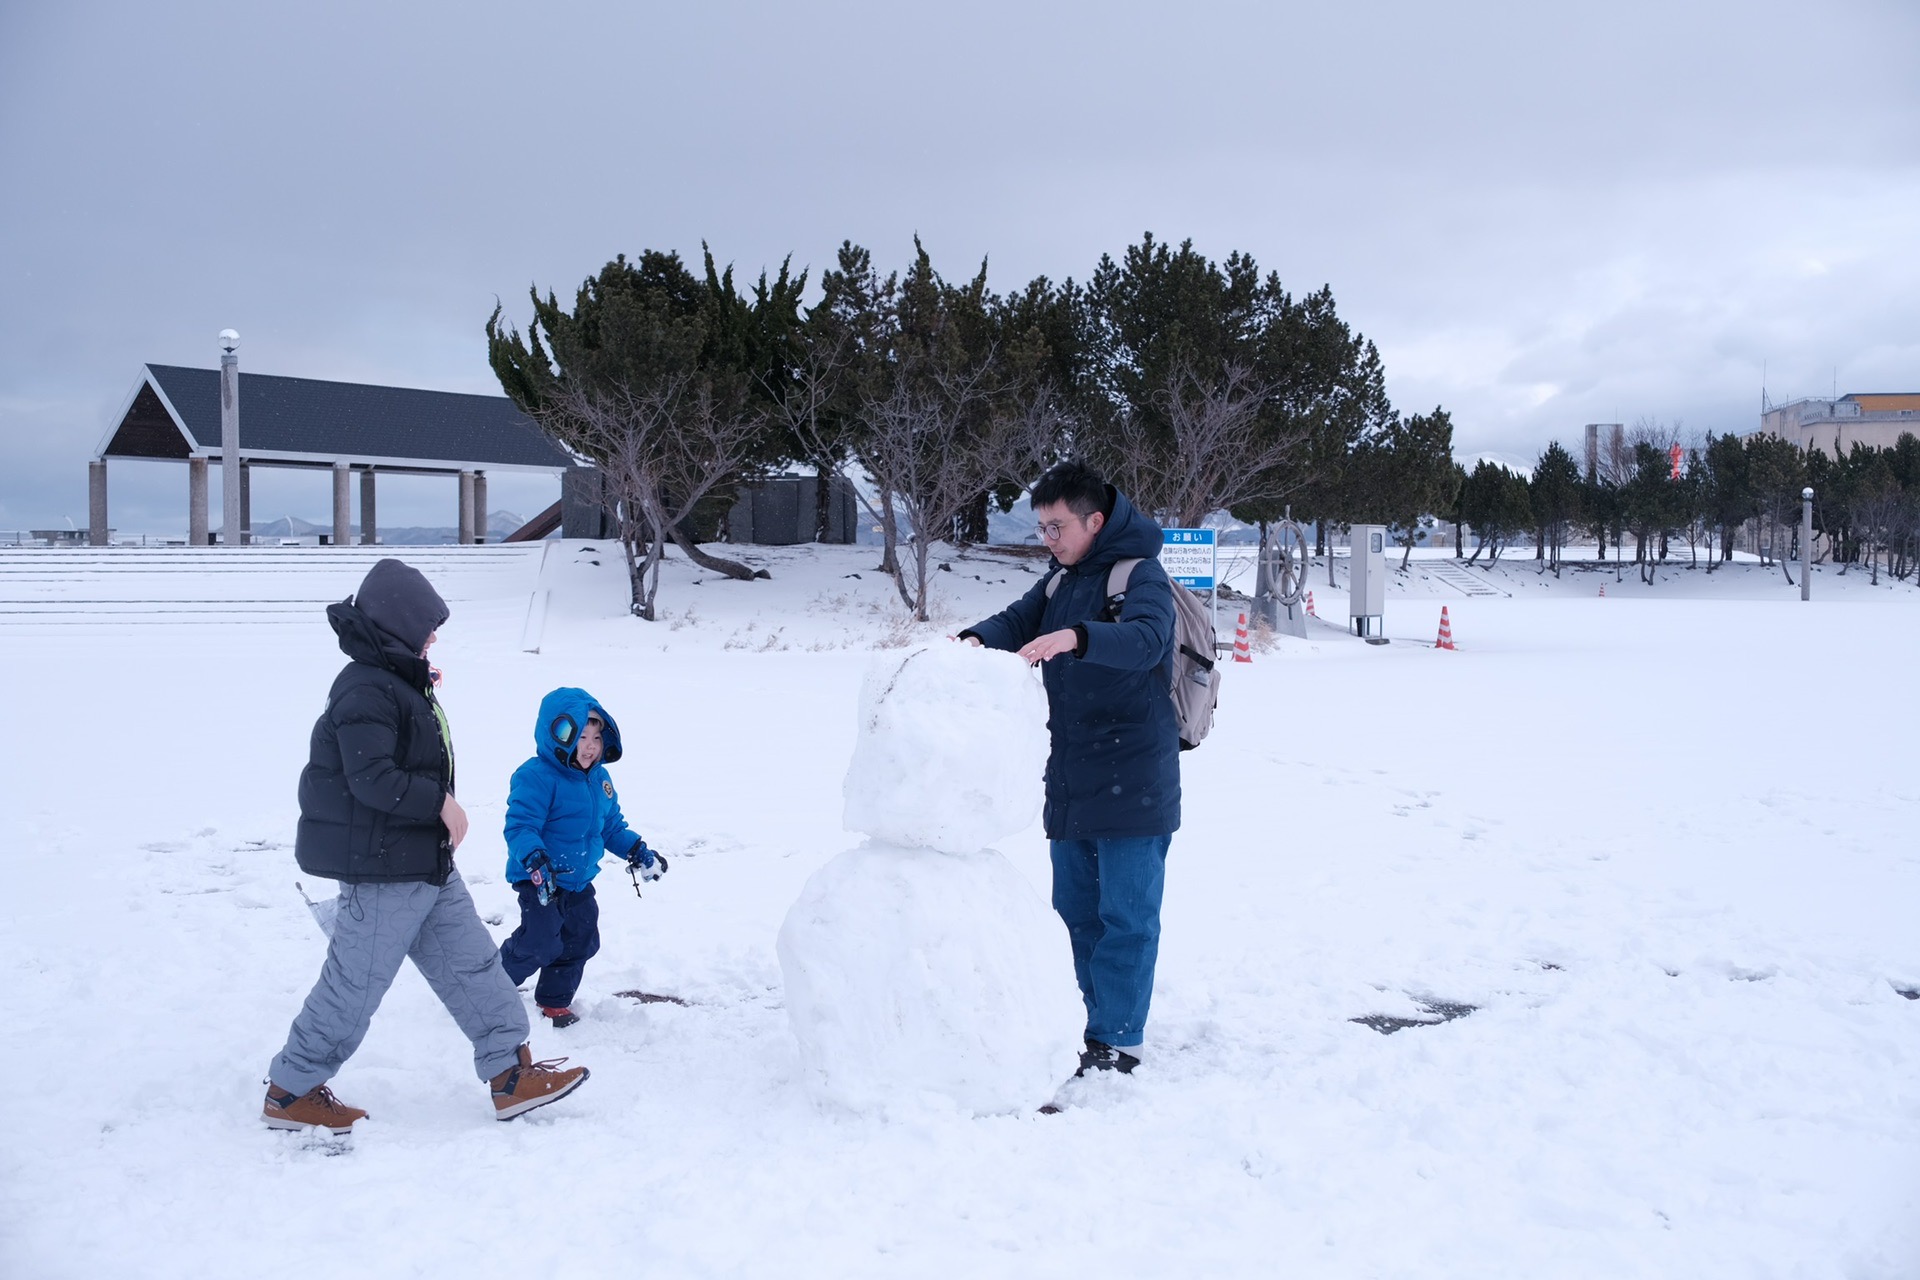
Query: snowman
point(921, 968)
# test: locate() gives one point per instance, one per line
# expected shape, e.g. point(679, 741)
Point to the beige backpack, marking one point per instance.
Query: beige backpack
point(1196, 678)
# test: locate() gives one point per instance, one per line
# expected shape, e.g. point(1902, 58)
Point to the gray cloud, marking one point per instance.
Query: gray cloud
point(1545, 218)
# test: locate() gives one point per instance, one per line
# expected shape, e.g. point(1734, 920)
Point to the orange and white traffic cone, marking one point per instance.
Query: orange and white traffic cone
point(1242, 652)
point(1310, 612)
point(1446, 631)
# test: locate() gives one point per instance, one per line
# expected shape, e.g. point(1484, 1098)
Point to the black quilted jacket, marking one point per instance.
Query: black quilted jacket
point(379, 767)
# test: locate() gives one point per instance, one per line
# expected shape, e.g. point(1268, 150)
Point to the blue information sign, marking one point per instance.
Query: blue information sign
point(1188, 556)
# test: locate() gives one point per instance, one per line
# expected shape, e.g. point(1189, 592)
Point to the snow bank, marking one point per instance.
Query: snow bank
point(914, 976)
point(951, 751)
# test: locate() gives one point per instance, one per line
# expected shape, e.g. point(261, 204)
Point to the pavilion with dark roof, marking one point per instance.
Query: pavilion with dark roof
point(173, 414)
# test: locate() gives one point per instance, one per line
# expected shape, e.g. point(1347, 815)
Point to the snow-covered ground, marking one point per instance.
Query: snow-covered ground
point(1663, 842)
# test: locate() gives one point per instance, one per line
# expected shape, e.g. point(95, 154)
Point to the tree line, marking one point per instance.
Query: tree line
point(1195, 385)
point(1647, 485)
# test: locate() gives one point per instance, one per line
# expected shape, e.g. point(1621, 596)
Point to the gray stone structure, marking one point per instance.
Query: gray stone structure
point(584, 512)
point(342, 504)
point(369, 518)
point(197, 502)
point(784, 510)
point(97, 532)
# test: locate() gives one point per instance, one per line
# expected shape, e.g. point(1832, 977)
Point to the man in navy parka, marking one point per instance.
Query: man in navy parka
point(1113, 777)
point(562, 816)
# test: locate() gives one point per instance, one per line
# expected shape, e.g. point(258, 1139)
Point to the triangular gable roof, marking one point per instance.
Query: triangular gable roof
point(174, 412)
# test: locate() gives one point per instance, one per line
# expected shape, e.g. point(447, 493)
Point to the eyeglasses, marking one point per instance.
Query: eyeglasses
point(1050, 530)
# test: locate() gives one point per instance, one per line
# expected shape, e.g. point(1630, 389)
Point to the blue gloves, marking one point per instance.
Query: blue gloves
point(645, 863)
point(540, 875)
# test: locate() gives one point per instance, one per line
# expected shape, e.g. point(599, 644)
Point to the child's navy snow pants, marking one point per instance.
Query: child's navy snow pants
point(557, 939)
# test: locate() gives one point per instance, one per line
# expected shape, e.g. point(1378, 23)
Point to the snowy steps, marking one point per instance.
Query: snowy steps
point(203, 585)
point(1455, 574)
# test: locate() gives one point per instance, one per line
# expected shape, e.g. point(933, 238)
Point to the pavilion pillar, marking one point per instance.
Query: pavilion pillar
point(367, 522)
point(196, 502)
point(246, 504)
point(466, 508)
point(479, 506)
point(97, 503)
point(342, 504)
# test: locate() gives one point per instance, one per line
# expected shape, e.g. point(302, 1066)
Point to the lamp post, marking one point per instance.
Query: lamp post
point(1806, 543)
point(231, 532)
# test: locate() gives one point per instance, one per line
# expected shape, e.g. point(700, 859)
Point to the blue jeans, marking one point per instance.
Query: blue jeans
point(1108, 892)
point(557, 939)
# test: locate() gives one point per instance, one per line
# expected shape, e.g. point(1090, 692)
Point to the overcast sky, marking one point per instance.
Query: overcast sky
point(1543, 217)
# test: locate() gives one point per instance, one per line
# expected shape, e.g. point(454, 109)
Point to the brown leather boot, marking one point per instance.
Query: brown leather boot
point(317, 1108)
point(531, 1084)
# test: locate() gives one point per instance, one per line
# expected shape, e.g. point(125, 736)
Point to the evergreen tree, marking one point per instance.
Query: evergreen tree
point(1555, 494)
point(1495, 503)
point(649, 376)
point(1776, 471)
point(1650, 504)
point(1728, 493)
point(1205, 386)
point(1406, 474)
point(1600, 513)
point(958, 403)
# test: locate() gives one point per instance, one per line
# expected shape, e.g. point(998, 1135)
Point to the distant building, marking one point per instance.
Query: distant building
point(173, 414)
point(1835, 426)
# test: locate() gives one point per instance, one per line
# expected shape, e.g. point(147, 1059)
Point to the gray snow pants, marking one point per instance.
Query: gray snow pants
point(377, 926)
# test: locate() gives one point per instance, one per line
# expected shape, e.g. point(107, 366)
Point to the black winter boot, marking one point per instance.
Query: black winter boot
point(1100, 1056)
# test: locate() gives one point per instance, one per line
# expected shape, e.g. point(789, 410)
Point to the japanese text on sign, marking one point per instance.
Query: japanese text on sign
point(1188, 557)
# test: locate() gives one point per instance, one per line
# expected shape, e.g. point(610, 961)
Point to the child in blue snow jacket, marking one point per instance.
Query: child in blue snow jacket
point(562, 816)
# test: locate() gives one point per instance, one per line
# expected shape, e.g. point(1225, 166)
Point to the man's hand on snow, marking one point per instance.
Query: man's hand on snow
point(1050, 645)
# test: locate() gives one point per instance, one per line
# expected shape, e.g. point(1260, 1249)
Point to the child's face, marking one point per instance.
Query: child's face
point(586, 752)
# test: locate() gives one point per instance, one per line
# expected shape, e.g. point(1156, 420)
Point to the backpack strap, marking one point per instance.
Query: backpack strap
point(1117, 578)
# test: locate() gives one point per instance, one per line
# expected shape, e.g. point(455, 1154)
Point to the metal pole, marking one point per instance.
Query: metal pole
point(231, 517)
point(1806, 544)
point(479, 506)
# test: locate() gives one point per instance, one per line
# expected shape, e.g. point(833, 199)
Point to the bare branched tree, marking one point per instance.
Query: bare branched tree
point(1219, 448)
point(660, 452)
point(938, 438)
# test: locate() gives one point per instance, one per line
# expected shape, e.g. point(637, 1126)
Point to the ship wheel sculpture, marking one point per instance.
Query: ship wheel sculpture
point(1284, 562)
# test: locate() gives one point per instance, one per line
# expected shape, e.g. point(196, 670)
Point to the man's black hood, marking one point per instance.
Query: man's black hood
point(397, 598)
